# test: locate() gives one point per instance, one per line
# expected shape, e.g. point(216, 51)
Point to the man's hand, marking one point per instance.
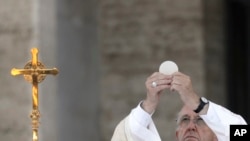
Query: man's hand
point(154, 92)
point(183, 85)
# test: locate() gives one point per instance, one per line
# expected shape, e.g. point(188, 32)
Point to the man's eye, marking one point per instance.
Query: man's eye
point(200, 121)
point(185, 119)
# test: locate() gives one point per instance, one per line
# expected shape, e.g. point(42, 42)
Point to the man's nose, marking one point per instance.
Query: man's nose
point(192, 125)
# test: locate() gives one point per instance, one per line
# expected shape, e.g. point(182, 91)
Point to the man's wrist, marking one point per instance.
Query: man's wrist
point(149, 108)
point(202, 103)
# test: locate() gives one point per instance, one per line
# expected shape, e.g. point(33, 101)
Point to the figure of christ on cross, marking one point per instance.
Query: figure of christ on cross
point(34, 72)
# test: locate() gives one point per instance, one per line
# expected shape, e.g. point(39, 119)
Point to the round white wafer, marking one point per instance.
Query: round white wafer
point(168, 67)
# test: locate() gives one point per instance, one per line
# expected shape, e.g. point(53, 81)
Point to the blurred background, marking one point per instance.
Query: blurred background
point(105, 50)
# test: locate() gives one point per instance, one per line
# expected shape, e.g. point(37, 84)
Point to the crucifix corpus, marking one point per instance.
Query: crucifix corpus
point(34, 72)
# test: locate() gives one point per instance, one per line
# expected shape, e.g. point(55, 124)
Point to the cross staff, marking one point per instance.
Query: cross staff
point(34, 72)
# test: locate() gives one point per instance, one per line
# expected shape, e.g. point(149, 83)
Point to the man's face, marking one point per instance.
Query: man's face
point(190, 127)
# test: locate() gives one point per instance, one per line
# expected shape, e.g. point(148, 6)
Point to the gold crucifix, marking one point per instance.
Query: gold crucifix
point(34, 72)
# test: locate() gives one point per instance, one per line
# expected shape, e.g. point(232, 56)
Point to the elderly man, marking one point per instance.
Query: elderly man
point(198, 120)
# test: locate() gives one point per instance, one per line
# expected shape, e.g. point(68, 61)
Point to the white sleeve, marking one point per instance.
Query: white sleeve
point(219, 120)
point(141, 126)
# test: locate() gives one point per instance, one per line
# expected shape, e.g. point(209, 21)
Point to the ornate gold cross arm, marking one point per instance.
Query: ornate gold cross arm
point(34, 72)
point(34, 69)
point(15, 71)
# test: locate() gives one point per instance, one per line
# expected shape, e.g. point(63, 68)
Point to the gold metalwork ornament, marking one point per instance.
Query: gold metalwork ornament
point(40, 77)
point(34, 72)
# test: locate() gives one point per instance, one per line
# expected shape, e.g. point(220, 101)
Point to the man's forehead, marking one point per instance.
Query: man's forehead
point(185, 110)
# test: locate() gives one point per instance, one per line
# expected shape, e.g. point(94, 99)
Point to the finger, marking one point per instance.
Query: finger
point(175, 86)
point(160, 76)
point(163, 82)
point(159, 82)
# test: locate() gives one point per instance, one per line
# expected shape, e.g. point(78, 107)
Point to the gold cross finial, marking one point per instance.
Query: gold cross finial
point(34, 72)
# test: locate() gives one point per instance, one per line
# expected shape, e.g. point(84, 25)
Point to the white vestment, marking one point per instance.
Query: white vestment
point(139, 126)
